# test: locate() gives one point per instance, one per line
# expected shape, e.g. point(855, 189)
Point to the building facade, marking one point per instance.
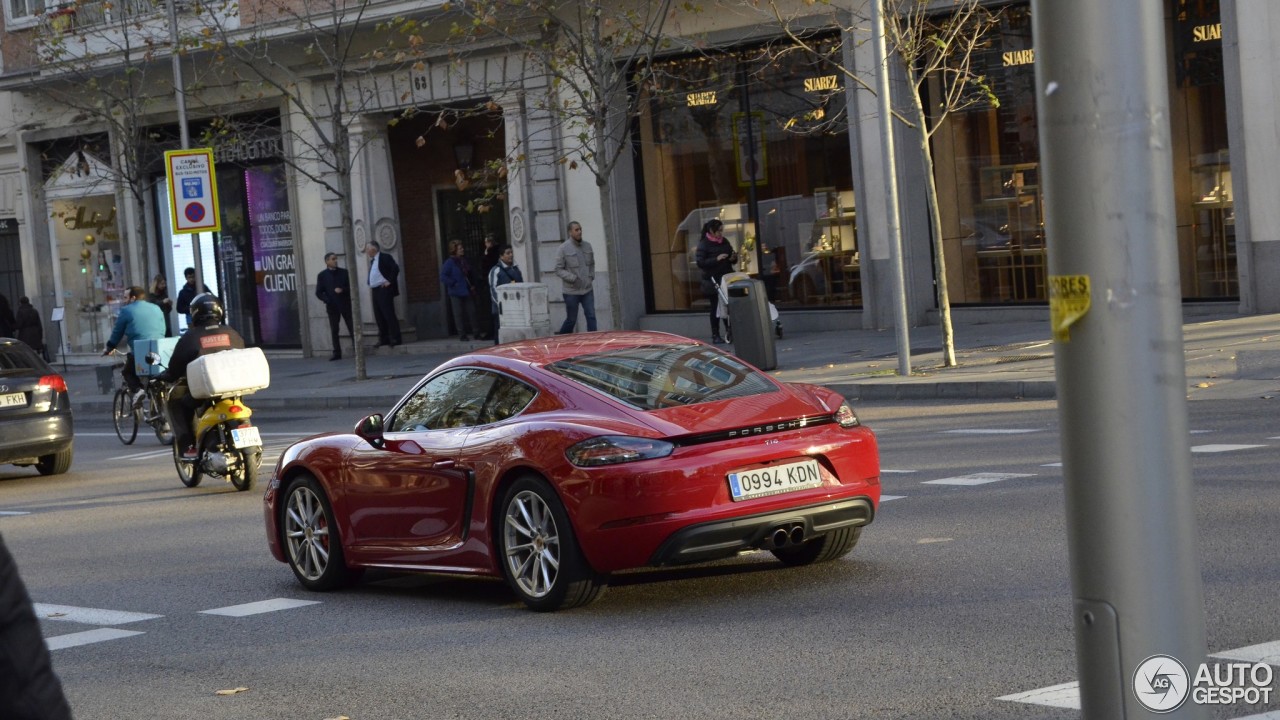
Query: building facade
point(778, 143)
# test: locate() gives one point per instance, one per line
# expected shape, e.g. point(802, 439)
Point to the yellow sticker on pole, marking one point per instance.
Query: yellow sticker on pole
point(1068, 302)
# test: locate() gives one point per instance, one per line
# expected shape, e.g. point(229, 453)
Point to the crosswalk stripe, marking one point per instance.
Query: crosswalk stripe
point(88, 637)
point(1268, 653)
point(13, 512)
point(887, 498)
point(884, 471)
point(1066, 695)
point(1221, 448)
point(976, 478)
point(257, 608)
point(89, 616)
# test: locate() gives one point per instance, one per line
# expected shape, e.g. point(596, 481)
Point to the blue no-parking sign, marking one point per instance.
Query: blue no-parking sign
point(193, 192)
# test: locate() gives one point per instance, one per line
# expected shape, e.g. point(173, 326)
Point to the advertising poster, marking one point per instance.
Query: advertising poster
point(275, 274)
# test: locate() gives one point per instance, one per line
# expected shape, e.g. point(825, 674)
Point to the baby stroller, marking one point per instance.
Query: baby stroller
point(722, 307)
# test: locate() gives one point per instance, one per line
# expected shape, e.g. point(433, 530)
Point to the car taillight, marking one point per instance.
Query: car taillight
point(613, 449)
point(53, 382)
point(846, 416)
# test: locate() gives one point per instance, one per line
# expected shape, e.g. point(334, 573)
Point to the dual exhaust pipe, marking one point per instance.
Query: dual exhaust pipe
point(784, 535)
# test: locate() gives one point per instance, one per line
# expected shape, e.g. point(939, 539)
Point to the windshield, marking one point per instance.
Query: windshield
point(652, 377)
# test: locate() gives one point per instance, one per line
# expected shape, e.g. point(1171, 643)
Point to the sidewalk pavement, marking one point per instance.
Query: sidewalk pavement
point(1228, 357)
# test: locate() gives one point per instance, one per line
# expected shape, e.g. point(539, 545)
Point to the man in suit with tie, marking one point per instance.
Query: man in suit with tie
point(383, 272)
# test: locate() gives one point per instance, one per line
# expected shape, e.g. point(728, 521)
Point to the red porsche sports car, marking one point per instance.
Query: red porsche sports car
point(554, 462)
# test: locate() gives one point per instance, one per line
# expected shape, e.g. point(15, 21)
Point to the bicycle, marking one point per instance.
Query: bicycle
point(127, 415)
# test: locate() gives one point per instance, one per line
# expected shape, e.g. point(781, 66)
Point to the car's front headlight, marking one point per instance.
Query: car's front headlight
point(846, 416)
point(613, 449)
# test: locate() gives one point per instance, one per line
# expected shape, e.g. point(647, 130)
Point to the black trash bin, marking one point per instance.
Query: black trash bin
point(106, 378)
point(750, 323)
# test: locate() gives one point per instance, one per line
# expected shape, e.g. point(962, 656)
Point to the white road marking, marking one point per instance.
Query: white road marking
point(1057, 464)
point(1066, 695)
point(262, 606)
point(887, 498)
point(1200, 432)
point(977, 478)
point(991, 431)
point(164, 451)
point(89, 616)
point(886, 470)
point(88, 637)
point(1221, 448)
point(13, 512)
point(1268, 653)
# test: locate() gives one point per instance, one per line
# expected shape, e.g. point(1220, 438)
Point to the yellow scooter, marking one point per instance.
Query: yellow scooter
point(227, 444)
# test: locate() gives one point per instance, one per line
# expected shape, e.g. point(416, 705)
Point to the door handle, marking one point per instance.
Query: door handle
point(442, 465)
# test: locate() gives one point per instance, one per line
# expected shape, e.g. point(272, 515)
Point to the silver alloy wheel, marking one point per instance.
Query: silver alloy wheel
point(532, 544)
point(306, 530)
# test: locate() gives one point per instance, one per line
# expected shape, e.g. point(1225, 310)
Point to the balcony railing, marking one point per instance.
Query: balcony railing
point(86, 15)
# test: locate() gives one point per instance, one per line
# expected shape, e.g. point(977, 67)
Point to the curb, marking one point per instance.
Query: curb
point(952, 390)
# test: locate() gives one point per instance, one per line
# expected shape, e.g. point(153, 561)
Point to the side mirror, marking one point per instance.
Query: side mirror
point(370, 430)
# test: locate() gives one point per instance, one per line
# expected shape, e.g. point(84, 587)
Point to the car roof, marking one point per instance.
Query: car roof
point(546, 350)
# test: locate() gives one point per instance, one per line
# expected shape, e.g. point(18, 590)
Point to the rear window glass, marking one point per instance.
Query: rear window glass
point(652, 377)
point(20, 360)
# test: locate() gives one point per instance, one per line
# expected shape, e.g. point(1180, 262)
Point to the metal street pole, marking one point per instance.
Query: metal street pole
point(1101, 80)
point(894, 225)
point(180, 98)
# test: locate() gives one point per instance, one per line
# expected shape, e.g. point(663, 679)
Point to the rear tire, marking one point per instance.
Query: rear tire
point(56, 463)
point(249, 461)
point(833, 545)
point(188, 470)
point(538, 553)
point(125, 416)
point(310, 537)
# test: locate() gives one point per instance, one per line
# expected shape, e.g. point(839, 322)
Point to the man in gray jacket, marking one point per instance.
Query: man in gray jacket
point(576, 266)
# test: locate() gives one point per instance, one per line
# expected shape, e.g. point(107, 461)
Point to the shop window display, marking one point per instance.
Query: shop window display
point(764, 123)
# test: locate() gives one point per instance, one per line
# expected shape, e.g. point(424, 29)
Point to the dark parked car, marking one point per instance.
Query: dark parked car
point(35, 411)
point(554, 462)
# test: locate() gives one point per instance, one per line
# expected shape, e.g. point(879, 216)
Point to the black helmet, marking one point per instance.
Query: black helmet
point(206, 310)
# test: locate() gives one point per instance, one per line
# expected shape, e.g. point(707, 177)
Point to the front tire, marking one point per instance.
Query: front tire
point(55, 463)
point(833, 545)
point(312, 543)
point(125, 416)
point(538, 553)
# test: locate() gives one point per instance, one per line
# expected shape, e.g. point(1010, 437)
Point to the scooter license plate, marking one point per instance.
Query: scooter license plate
point(245, 437)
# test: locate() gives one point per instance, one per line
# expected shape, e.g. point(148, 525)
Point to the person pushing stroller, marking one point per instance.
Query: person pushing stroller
point(715, 258)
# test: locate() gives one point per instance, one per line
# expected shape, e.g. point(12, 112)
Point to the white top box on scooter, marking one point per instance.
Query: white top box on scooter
point(230, 372)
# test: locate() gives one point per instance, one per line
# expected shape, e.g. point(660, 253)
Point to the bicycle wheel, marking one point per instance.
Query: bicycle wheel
point(125, 416)
point(158, 419)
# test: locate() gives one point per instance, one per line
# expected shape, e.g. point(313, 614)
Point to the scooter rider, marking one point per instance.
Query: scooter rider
point(204, 336)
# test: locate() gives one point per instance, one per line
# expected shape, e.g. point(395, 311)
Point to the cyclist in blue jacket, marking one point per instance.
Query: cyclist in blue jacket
point(138, 320)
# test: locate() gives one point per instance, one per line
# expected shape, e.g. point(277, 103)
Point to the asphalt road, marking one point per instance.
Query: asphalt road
point(958, 595)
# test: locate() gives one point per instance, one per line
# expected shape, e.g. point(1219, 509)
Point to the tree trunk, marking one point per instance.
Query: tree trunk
point(342, 166)
point(935, 229)
point(611, 240)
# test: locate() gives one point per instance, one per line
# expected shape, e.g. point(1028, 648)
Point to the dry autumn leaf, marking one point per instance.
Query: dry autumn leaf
point(232, 691)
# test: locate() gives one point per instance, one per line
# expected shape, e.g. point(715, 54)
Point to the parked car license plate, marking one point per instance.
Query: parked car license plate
point(13, 400)
point(245, 437)
point(774, 480)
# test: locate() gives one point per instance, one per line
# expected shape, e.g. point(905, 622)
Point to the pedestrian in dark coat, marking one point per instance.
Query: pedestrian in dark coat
point(384, 286)
point(715, 258)
point(27, 326)
point(333, 287)
point(7, 321)
point(159, 295)
point(29, 689)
